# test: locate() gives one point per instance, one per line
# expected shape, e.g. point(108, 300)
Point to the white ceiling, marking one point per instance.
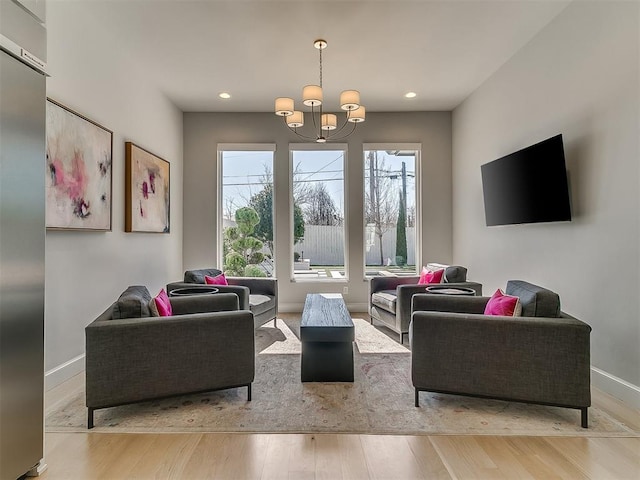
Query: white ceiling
point(261, 49)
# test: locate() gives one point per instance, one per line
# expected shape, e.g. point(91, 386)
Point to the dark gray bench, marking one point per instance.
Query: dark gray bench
point(327, 334)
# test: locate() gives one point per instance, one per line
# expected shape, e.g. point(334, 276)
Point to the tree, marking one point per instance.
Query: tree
point(401, 234)
point(320, 208)
point(380, 199)
point(262, 203)
point(243, 250)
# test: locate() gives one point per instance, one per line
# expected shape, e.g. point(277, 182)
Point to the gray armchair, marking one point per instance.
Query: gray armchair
point(208, 344)
point(259, 294)
point(390, 297)
point(541, 357)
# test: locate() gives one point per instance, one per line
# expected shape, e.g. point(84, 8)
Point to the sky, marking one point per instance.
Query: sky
point(243, 172)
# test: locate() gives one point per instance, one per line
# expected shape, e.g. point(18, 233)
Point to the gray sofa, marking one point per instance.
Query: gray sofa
point(390, 297)
point(208, 344)
point(540, 357)
point(260, 295)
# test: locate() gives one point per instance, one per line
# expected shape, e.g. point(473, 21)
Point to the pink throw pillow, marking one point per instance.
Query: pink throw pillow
point(163, 304)
point(428, 277)
point(219, 280)
point(501, 304)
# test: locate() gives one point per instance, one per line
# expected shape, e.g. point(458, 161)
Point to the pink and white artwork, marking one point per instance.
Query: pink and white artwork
point(146, 191)
point(78, 171)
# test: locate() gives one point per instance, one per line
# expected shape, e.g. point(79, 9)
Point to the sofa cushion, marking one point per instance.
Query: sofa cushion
point(261, 303)
point(501, 304)
point(153, 308)
point(217, 280)
point(385, 299)
point(197, 276)
point(536, 301)
point(428, 277)
point(133, 303)
point(163, 304)
point(455, 274)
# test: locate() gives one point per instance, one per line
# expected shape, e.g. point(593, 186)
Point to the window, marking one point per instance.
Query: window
point(390, 209)
point(318, 202)
point(246, 210)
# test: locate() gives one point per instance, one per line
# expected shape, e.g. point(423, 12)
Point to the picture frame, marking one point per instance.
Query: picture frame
point(78, 174)
point(147, 191)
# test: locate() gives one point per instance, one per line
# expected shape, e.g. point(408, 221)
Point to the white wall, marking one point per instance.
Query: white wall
point(203, 132)
point(578, 77)
point(86, 271)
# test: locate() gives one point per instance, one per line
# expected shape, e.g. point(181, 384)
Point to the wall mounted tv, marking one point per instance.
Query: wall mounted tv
point(527, 186)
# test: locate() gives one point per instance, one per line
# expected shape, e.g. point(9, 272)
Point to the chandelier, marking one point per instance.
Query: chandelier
point(324, 124)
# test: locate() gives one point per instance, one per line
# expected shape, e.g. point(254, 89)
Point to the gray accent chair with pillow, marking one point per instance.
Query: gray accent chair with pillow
point(259, 294)
point(390, 297)
point(207, 344)
point(542, 356)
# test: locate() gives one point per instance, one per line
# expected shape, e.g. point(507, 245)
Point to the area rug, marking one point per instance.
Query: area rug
point(379, 401)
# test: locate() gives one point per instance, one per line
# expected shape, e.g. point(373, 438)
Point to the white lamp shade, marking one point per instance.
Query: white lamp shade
point(329, 121)
point(312, 95)
point(284, 106)
point(357, 115)
point(349, 100)
point(296, 119)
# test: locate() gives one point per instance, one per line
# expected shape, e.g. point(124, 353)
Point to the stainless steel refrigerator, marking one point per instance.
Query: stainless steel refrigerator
point(22, 237)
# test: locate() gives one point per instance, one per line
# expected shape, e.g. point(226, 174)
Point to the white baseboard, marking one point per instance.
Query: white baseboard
point(617, 387)
point(297, 307)
point(63, 372)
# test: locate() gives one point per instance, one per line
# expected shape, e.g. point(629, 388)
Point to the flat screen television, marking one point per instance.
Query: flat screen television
point(527, 186)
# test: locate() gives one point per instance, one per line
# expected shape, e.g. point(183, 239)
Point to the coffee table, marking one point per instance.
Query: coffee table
point(327, 335)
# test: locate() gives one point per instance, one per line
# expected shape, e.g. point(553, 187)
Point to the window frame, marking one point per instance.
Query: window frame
point(417, 147)
point(296, 147)
point(221, 148)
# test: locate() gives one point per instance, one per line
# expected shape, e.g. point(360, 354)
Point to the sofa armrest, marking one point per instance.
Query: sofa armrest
point(448, 303)
point(257, 285)
point(160, 356)
point(534, 359)
point(377, 284)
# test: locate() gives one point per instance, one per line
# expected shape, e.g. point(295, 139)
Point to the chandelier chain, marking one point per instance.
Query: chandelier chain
point(320, 67)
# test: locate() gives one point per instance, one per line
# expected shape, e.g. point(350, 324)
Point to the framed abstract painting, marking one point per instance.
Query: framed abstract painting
point(78, 175)
point(146, 191)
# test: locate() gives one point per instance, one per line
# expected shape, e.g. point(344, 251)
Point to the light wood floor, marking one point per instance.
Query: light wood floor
point(116, 456)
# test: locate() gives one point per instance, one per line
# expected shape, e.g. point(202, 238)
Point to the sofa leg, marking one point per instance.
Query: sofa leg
point(402, 338)
point(249, 393)
point(275, 322)
point(585, 417)
point(90, 418)
point(417, 398)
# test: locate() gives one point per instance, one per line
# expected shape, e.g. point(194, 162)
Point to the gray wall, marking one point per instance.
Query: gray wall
point(578, 77)
point(203, 132)
point(86, 271)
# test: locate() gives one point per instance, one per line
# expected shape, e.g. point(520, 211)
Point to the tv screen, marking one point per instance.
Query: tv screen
point(527, 186)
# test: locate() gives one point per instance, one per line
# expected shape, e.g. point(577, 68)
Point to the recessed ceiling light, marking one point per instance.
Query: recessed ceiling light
point(410, 94)
point(225, 95)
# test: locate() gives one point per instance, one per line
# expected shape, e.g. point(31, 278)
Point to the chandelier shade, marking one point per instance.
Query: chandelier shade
point(284, 106)
point(349, 100)
point(357, 115)
point(326, 125)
